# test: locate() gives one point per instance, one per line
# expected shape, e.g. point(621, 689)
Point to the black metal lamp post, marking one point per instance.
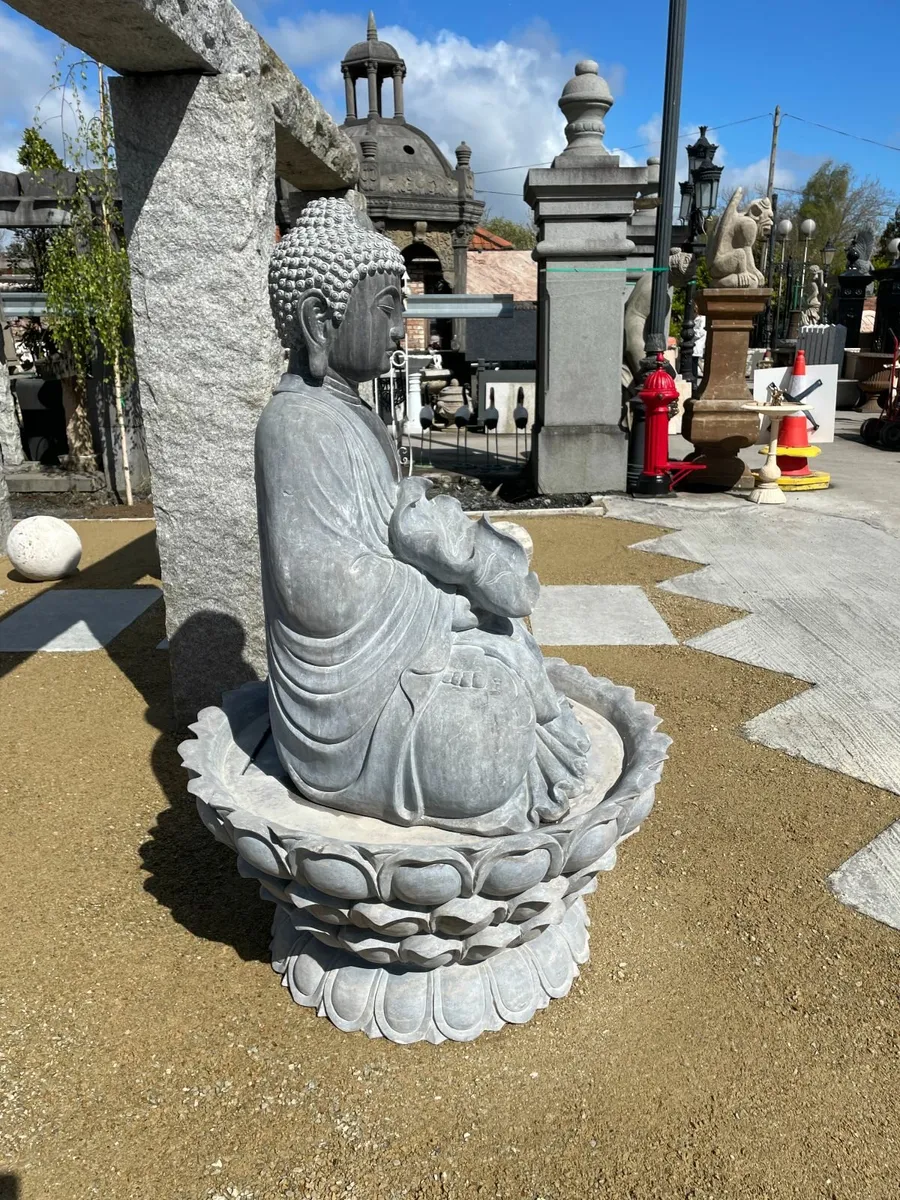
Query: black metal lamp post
point(698, 199)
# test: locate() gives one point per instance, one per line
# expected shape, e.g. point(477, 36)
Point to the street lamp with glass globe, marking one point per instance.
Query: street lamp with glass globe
point(783, 229)
point(807, 229)
point(699, 196)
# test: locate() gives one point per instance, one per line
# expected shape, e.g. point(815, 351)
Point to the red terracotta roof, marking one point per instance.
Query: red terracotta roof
point(483, 239)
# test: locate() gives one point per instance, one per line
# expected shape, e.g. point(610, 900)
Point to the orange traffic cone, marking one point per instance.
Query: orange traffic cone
point(794, 450)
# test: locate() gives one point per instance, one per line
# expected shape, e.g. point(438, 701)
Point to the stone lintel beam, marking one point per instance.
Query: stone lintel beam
point(311, 151)
point(210, 37)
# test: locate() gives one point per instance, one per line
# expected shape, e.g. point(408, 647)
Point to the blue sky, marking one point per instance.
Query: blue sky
point(492, 74)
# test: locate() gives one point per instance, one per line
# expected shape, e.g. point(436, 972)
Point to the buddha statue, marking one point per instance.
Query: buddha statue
point(403, 683)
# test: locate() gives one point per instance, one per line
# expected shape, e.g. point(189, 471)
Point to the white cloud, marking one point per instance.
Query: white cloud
point(500, 97)
point(753, 178)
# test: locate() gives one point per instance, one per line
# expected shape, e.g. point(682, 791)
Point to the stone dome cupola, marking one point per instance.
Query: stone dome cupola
point(375, 61)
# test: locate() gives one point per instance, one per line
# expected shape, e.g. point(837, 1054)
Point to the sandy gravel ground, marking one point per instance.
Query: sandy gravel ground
point(735, 1034)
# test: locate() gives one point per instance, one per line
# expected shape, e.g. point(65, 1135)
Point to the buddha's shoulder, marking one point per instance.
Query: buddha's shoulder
point(313, 408)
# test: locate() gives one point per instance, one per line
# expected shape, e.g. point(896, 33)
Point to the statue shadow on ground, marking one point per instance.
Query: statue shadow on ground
point(187, 871)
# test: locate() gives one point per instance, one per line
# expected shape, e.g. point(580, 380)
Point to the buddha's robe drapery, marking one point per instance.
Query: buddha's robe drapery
point(360, 642)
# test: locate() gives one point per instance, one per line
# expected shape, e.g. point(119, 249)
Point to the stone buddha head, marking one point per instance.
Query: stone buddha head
point(336, 290)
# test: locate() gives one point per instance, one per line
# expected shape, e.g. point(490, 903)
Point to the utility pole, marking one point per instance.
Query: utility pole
point(768, 250)
point(776, 125)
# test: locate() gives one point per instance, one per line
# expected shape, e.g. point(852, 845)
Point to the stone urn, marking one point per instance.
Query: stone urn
point(714, 422)
point(419, 934)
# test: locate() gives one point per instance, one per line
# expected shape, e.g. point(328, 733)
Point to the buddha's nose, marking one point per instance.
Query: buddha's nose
point(397, 334)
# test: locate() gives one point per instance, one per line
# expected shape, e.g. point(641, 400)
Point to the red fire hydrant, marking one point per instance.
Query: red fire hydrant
point(659, 474)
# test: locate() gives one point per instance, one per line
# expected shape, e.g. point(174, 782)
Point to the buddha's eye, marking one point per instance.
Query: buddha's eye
point(386, 307)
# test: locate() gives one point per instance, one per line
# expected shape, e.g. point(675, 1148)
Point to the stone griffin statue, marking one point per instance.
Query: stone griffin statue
point(637, 311)
point(812, 296)
point(403, 683)
point(730, 249)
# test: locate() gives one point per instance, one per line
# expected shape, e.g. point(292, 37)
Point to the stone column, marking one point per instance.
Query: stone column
point(11, 452)
point(196, 160)
point(460, 239)
point(714, 422)
point(372, 75)
point(398, 93)
point(350, 93)
point(6, 521)
point(582, 206)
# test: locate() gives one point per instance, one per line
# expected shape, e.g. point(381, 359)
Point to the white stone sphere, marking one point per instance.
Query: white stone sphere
point(44, 548)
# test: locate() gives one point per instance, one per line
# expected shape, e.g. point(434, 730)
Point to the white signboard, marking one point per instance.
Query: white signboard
point(821, 403)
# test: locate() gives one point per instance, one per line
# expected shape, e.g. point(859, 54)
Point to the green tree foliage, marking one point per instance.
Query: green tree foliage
point(523, 237)
point(87, 274)
point(36, 154)
point(841, 204)
point(891, 230)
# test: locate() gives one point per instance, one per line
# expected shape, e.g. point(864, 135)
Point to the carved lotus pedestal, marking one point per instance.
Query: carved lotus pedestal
point(713, 422)
point(416, 934)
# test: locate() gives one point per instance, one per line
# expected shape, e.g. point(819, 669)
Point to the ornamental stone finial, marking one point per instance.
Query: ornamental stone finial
point(371, 30)
point(585, 101)
point(463, 154)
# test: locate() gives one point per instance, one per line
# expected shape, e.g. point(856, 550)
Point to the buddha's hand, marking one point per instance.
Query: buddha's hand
point(488, 566)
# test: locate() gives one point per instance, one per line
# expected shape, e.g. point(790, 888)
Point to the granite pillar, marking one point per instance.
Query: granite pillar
point(713, 422)
point(6, 521)
point(582, 206)
point(11, 452)
point(196, 157)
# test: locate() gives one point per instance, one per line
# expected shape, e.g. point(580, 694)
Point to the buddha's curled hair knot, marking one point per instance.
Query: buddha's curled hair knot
point(330, 250)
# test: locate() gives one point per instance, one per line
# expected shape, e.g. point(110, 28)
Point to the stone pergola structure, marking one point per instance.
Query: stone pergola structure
point(206, 115)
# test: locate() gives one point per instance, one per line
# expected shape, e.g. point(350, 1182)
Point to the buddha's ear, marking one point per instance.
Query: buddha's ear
point(313, 318)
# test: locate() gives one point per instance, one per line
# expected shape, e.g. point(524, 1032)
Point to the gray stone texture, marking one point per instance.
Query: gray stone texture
point(196, 165)
point(11, 452)
point(207, 36)
point(583, 205)
point(394, 622)
point(6, 520)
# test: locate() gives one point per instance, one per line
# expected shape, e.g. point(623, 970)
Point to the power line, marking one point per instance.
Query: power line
point(687, 133)
point(857, 136)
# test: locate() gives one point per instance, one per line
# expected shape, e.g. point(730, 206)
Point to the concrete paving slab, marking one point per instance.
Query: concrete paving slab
point(73, 620)
point(870, 880)
point(819, 584)
point(611, 615)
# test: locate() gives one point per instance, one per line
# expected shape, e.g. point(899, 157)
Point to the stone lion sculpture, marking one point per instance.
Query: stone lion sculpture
point(730, 249)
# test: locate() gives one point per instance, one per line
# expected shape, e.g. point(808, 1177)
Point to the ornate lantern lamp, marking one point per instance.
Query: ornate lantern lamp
point(699, 195)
